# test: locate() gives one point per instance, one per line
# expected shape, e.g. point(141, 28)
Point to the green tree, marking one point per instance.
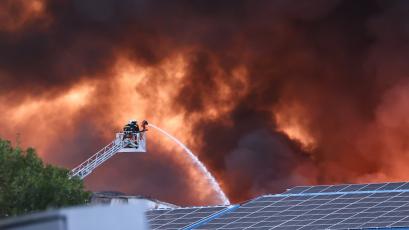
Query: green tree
point(27, 184)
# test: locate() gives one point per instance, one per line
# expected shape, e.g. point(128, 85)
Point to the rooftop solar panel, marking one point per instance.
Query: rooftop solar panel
point(315, 189)
point(334, 188)
point(179, 218)
point(392, 186)
point(348, 188)
point(297, 189)
point(349, 206)
point(353, 209)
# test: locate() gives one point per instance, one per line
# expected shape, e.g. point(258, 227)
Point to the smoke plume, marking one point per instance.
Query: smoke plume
point(269, 94)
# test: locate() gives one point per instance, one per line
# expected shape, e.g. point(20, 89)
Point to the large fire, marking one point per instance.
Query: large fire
point(292, 121)
point(268, 95)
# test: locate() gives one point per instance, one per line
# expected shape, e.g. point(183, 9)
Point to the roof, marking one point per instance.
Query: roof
point(120, 198)
point(350, 206)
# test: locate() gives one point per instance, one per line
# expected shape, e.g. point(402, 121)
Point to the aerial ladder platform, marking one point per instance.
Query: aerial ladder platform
point(124, 142)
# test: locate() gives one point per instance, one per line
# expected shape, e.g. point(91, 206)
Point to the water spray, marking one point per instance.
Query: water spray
point(199, 165)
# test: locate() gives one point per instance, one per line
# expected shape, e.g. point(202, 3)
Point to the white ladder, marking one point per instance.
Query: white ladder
point(85, 168)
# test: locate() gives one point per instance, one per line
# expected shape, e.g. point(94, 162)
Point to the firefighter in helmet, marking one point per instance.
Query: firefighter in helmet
point(127, 130)
point(134, 127)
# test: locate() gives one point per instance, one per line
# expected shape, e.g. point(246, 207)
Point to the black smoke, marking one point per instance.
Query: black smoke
point(336, 59)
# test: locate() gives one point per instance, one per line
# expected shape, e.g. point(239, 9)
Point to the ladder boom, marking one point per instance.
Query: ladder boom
point(85, 168)
point(136, 143)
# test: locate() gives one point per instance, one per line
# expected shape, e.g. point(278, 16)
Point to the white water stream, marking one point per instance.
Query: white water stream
point(199, 165)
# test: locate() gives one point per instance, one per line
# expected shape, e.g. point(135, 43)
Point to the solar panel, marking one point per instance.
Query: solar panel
point(392, 186)
point(315, 189)
point(348, 188)
point(179, 218)
point(297, 189)
point(348, 206)
point(334, 188)
point(356, 208)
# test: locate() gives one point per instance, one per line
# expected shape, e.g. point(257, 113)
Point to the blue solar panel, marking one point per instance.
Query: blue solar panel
point(179, 218)
point(305, 207)
point(348, 188)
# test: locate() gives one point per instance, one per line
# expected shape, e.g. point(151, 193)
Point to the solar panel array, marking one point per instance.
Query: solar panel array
point(348, 188)
point(317, 207)
point(179, 218)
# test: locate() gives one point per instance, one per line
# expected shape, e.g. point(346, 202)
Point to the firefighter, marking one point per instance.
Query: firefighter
point(144, 124)
point(135, 127)
point(134, 131)
point(127, 128)
point(127, 131)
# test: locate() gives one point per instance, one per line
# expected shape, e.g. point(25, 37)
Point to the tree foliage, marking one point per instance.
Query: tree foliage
point(27, 184)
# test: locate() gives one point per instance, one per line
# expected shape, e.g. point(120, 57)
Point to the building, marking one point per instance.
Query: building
point(112, 198)
point(101, 217)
